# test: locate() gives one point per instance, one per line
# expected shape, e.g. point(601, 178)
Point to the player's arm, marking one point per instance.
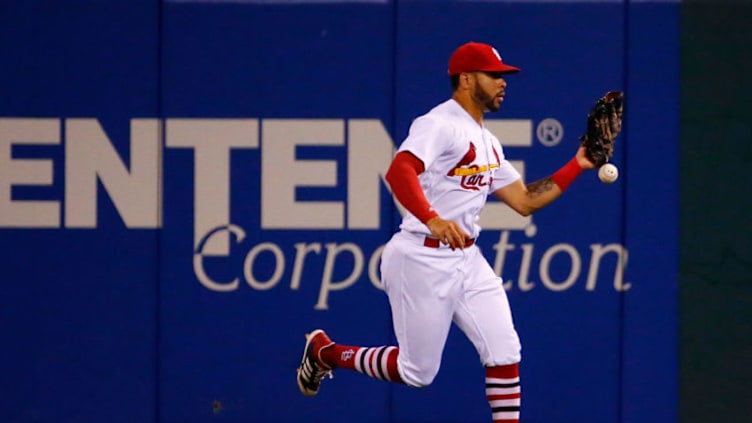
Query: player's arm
point(527, 199)
point(402, 177)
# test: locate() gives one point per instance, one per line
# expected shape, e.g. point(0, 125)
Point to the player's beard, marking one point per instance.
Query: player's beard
point(486, 99)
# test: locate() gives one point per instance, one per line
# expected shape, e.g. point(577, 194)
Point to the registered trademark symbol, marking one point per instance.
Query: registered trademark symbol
point(549, 132)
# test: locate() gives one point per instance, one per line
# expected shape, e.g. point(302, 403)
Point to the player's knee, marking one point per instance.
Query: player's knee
point(418, 377)
point(417, 382)
point(506, 352)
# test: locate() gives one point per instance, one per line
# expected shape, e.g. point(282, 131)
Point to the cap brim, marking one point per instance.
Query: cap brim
point(503, 69)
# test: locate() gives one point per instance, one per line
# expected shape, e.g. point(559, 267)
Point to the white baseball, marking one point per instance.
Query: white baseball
point(608, 173)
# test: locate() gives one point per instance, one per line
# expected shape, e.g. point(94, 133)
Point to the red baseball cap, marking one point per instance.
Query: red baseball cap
point(472, 57)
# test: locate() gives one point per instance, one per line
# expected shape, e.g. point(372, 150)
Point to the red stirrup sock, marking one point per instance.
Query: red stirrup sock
point(503, 392)
point(376, 362)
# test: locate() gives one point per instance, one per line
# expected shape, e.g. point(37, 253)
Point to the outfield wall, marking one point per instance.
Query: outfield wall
point(187, 187)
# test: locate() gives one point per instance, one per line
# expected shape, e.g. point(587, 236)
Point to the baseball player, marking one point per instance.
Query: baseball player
point(432, 271)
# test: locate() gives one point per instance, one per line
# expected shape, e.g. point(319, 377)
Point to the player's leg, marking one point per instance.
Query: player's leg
point(378, 362)
point(485, 317)
point(321, 355)
point(421, 314)
point(422, 286)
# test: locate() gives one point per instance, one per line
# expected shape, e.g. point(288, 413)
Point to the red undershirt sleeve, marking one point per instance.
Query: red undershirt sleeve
point(402, 177)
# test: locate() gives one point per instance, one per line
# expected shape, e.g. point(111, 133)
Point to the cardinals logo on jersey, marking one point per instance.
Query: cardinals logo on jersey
point(472, 175)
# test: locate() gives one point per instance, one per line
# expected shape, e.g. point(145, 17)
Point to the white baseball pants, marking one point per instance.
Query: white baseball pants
point(428, 289)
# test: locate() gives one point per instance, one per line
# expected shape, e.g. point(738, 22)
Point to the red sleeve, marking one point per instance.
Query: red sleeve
point(402, 177)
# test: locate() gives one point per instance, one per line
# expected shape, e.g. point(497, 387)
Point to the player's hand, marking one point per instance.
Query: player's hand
point(583, 160)
point(447, 232)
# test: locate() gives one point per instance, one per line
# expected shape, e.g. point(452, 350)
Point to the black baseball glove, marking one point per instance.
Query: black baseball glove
point(603, 125)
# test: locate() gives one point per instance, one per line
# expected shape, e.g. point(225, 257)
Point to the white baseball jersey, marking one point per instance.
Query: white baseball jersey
point(463, 163)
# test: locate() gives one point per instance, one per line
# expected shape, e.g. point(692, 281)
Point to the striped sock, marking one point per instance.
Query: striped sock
point(503, 392)
point(376, 362)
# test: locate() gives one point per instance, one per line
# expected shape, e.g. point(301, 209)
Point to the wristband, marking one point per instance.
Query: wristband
point(567, 174)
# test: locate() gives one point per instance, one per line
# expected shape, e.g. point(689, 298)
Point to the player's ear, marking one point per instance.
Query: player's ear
point(465, 79)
